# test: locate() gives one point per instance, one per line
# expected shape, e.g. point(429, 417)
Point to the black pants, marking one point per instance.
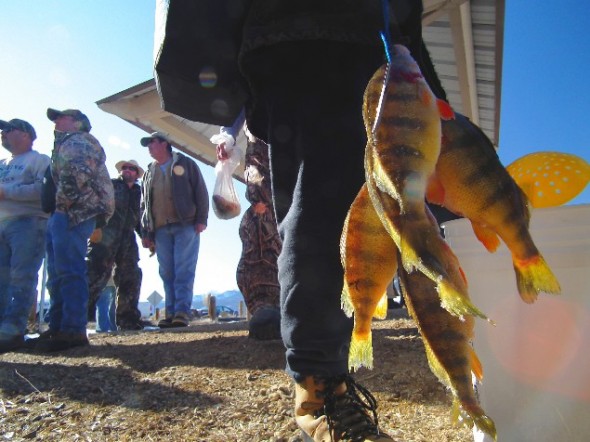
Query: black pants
point(307, 104)
point(116, 249)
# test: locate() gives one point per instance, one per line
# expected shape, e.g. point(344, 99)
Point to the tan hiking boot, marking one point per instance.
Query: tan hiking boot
point(336, 410)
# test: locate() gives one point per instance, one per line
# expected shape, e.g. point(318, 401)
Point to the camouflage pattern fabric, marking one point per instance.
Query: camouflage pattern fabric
point(118, 248)
point(84, 188)
point(256, 274)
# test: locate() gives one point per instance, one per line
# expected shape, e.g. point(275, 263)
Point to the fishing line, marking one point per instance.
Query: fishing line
point(386, 34)
point(386, 39)
point(385, 46)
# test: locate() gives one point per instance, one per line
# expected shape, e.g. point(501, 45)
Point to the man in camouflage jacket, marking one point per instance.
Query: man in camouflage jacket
point(115, 245)
point(84, 200)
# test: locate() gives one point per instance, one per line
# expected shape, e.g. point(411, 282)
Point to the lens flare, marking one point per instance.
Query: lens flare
point(208, 77)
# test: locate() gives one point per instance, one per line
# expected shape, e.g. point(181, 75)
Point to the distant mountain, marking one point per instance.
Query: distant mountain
point(230, 298)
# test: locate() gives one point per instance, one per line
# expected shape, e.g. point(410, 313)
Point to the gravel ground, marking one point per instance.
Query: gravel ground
point(207, 382)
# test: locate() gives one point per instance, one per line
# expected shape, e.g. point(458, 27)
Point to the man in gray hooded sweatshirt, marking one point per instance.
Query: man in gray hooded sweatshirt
point(22, 230)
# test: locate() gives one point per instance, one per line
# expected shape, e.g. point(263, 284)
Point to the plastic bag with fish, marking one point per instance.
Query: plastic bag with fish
point(226, 203)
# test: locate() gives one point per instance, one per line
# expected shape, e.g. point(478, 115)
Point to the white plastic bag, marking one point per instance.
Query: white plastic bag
point(226, 204)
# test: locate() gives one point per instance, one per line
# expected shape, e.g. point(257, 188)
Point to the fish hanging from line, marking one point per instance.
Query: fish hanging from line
point(370, 262)
point(403, 123)
point(369, 257)
point(470, 181)
point(389, 223)
point(447, 342)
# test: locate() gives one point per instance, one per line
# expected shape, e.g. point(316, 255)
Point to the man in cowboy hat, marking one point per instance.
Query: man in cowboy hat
point(115, 245)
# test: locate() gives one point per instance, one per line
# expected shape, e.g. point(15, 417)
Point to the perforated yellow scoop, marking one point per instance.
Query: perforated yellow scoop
point(550, 178)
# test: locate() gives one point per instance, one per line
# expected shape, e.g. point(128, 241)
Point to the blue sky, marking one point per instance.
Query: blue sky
point(70, 54)
point(544, 95)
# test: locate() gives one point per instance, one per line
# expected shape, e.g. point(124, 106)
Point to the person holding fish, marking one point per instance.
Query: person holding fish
point(307, 64)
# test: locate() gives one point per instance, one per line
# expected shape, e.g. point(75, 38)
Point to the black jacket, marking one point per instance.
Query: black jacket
point(127, 202)
point(197, 68)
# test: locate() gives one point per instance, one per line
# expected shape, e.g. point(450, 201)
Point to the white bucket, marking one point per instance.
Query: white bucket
point(536, 360)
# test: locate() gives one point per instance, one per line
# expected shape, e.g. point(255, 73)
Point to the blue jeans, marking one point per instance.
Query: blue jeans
point(312, 122)
point(177, 248)
point(21, 254)
point(67, 281)
point(106, 310)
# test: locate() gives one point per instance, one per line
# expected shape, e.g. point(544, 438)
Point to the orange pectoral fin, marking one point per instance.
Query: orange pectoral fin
point(486, 236)
point(475, 363)
point(435, 192)
point(445, 110)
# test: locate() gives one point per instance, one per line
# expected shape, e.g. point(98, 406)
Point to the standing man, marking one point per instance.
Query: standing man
point(307, 64)
point(84, 200)
point(22, 230)
point(115, 245)
point(175, 207)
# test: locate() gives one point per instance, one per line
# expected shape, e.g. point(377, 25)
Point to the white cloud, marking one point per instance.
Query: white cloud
point(117, 142)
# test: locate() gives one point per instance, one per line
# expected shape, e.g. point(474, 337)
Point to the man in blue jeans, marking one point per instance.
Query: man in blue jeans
point(22, 230)
point(84, 200)
point(175, 207)
point(105, 308)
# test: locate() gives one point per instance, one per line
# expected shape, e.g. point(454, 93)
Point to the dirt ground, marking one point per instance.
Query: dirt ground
point(207, 382)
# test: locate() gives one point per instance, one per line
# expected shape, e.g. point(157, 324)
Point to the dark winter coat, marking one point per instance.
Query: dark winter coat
point(204, 40)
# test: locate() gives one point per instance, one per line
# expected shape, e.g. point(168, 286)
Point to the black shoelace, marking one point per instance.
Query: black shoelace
point(353, 415)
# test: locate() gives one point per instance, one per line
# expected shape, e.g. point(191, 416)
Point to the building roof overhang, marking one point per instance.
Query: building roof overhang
point(465, 41)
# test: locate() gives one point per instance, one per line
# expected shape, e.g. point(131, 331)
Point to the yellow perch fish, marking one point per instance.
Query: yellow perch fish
point(403, 123)
point(447, 343)
point(369, 258)
point(471, 181)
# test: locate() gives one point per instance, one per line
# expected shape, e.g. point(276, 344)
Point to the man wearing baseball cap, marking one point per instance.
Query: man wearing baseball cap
point(75, 114)
point(22, 230)
point(160, 136)
point(175, 207)
point(84, 200)
point(115, 245)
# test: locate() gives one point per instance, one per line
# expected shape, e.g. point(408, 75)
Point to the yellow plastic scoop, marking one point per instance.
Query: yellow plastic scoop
point(550, 178)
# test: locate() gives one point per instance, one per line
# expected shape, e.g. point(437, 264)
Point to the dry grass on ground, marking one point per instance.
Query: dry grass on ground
point(208, 382)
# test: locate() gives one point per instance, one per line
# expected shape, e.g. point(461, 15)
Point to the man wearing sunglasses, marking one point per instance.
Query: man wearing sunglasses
point(22, 230)
point(114, 245)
